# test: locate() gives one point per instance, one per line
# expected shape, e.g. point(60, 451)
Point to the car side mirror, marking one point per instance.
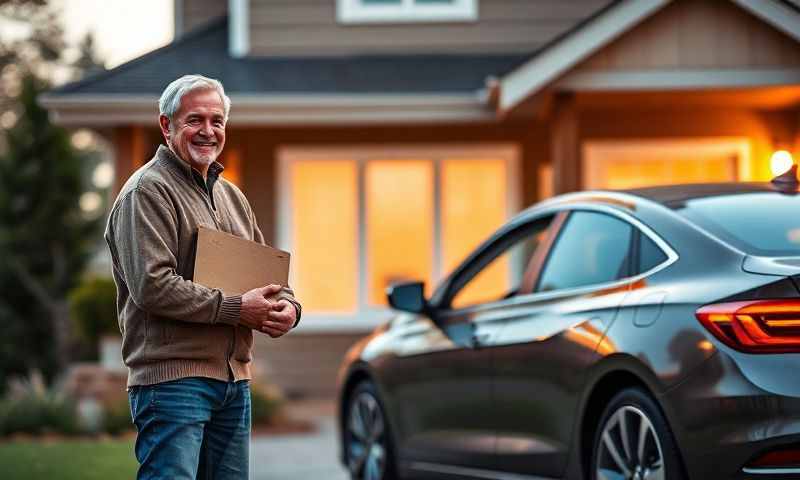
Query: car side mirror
point(407, 296)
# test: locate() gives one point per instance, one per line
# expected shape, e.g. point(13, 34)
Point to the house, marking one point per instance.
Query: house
point(381, 140)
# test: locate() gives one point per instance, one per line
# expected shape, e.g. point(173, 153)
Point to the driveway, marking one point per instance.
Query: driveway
point(308, 456)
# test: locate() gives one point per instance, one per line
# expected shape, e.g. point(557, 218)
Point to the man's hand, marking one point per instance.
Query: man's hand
point(281, 319)
point(256, 306)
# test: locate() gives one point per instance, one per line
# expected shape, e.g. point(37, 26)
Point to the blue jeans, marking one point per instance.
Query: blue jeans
point(192, 428)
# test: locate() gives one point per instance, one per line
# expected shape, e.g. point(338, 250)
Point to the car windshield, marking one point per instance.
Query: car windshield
point(762, 223)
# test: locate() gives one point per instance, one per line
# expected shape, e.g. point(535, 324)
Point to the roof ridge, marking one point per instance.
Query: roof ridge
point(192, 35)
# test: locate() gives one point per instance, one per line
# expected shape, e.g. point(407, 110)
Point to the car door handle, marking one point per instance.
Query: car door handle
point(480, 339)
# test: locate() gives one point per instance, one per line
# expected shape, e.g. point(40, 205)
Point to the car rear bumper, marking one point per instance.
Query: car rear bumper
point(723, 418)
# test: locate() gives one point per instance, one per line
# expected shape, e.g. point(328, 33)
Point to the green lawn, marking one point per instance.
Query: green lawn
point(67, 460)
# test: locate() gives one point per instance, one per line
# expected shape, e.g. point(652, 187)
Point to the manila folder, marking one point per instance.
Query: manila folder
point(235, 265)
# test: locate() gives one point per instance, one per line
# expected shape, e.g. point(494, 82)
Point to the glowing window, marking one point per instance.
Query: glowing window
point(325, 235)
point(473, 206)
point(399, 207)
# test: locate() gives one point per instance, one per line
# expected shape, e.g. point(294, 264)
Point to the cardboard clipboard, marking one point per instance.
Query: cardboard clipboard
point(235, 265)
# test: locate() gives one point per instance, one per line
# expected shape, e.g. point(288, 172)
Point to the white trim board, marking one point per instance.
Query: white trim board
point(238, 28)
point(779, 16)
point(643, 80)
point(367, 317)
point(294, 109)
point(406, 11)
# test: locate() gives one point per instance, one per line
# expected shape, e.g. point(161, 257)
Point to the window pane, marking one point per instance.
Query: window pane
point(516, 256)
point(593, 248)
point(473, 206)
point(650, 255)
point(399, 201)
point(324, 234)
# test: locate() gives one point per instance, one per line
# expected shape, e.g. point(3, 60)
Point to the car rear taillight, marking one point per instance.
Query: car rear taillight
point(758, 326)
point(781, 457)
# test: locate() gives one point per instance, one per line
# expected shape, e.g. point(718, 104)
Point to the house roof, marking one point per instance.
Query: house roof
point(206, 52)
point(548, 64)
point(390, 87)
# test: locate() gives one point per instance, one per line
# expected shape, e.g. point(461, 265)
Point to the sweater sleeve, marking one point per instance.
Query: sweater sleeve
point(146, 242)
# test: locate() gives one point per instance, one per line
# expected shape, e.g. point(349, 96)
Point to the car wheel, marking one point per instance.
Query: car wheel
point(634, 441)
point(368, 447)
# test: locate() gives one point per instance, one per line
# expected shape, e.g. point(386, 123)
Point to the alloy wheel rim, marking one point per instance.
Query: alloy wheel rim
point(629, 448)
point(366, 440)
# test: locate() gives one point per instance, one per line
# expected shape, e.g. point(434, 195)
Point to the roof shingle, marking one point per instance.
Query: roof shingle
point(206, 52)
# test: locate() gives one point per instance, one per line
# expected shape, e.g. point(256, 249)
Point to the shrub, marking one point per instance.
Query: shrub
point(31, 407)
point(94, 309)
point(117, 417)
point(265, 404)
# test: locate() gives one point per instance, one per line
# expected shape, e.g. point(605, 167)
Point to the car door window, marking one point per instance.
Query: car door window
point(650, 254)
point(592, 248)
point(499, 271)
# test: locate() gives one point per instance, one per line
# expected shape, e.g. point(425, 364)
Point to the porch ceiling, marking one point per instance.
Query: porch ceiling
point(767, 98)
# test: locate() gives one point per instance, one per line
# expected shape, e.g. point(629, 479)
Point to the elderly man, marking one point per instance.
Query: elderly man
point(188, 347)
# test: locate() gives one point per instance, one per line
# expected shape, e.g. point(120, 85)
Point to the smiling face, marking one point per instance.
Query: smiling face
point(197, 130)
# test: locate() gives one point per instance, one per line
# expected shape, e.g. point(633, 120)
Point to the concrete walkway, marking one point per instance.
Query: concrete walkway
point(308, 456)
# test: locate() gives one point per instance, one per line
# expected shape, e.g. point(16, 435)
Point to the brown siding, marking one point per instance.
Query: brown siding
point(698, 34)
point(302, 365)
point(309, 27)
point(191, 14)
point(133, 147)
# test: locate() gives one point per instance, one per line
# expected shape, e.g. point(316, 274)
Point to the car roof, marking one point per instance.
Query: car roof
point(671, 197)
point(675, 196)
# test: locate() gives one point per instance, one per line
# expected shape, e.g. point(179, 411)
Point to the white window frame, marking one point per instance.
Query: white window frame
point(366, 316)
point(354, 11)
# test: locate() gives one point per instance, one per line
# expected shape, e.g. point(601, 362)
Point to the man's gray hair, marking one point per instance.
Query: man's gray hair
point(170, 100)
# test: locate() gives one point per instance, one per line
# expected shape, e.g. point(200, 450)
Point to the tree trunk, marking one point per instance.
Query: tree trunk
point(62, 331)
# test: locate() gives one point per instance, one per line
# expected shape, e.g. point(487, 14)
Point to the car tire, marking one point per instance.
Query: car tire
point(618, 450)
point(369, 453)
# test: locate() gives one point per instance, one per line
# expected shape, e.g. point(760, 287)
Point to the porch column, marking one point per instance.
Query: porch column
point(565, 148)
point(129, 152)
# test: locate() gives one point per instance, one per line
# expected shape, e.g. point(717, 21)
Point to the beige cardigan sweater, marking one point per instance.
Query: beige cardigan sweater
point(172, 327)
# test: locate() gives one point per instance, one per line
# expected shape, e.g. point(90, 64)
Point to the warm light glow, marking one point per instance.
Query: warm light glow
point(103, 175)
point(82, 139)
point(90, 202)
point(399, 224)
point(781, 162)
point(232, 161)
point(325, 234)
point(705, 345)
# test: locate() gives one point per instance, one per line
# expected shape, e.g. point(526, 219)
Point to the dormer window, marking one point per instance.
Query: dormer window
point(406, 11)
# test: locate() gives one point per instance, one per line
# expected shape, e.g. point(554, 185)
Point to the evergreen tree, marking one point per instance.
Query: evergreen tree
point(47, 238)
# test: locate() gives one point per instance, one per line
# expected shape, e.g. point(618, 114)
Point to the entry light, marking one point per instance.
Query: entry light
point(781, 162)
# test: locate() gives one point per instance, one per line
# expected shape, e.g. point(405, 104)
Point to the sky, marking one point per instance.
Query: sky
point(124, 29)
